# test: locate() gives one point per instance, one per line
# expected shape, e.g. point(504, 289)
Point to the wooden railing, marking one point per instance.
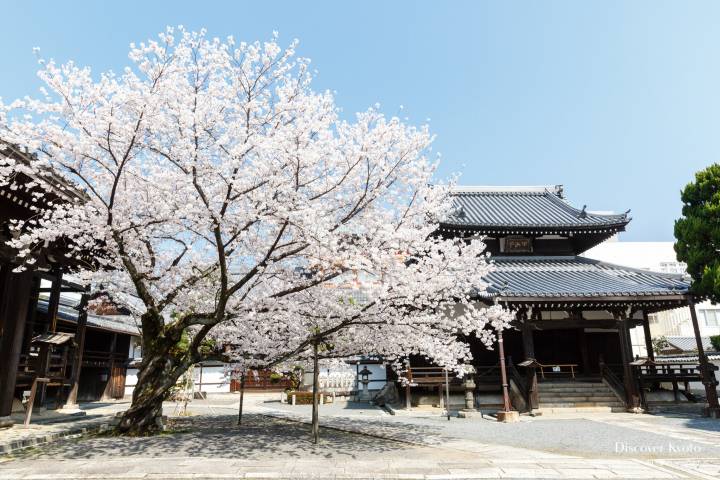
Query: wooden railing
point(57, 370)
point(428, 376)
point(521, 384)
point(557, 369)
point(609, 374)
point(97, 358)
point(651, 374)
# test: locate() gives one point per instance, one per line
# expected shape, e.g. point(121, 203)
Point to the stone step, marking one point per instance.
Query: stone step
point(578, 398)
point(551, 410)
point(572, 385)
point(579, 404)
point(572, 390)
point(602, 388)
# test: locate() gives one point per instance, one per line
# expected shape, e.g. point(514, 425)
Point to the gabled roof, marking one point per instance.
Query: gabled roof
point(111, 323)
point(540, 209)
point(561, 277)
point(687, 344)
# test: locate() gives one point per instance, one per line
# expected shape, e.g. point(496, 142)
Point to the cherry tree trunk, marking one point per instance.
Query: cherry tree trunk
point(163, 363)
point(156, 378)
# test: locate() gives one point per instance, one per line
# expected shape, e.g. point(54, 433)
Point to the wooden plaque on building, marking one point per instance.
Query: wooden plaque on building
point(518, 245)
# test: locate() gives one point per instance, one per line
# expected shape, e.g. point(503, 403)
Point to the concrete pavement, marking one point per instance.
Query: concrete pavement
point(360, 441)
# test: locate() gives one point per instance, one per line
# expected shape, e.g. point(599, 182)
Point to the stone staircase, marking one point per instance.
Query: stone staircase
point(577, 396)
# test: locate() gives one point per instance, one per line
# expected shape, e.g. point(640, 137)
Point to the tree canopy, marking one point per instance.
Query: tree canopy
point(214, 176)
point(698, 232)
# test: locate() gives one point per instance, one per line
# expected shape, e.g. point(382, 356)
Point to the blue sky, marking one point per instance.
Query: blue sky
point(618, 101)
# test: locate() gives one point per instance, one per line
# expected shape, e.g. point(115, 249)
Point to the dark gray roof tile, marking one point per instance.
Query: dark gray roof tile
point(577, 277)
point(531, 208)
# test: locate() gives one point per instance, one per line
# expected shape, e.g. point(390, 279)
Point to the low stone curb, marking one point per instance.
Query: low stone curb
point(42, 438)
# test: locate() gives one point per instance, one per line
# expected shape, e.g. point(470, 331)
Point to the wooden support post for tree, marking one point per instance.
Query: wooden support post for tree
point(31, 400)
point(503, 374)
point(316, 385)
point(242, 395)
point(408, 391)
point(707, 370)
point(447, 394)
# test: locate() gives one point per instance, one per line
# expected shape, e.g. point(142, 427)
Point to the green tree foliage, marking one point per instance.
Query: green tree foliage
point(698, 232)
point(715, 342)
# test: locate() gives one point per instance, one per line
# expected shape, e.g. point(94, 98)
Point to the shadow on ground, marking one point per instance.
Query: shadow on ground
point(218, 436)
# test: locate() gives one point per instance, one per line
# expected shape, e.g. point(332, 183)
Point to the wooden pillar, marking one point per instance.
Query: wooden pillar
point(527, 336)
point(71, 401)
point(629, 380)
point(14, 304)
point(32, 313)
point(584, 353)
point(108, 391)
point(45, 350)
point(529, 351)
point(54, 302)
point(648, 338)
point(707, 370)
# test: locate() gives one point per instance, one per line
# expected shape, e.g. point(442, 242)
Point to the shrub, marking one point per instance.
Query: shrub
point(659, 343)
point(305, 398)
point(715, 342)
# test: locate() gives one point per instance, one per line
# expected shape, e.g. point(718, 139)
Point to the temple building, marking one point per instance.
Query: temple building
point(53, 351)
point(573, 314)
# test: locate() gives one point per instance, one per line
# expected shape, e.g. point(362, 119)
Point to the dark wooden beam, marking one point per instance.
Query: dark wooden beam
point(45, 350)
point(707, 369)
point(14, 304)
point(529, 350)
point(631, 387)
point(568, 324)
point(71, 401)
point(648, 338)
point(107, 392)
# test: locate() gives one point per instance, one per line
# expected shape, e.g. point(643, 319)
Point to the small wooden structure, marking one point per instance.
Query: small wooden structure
point(428, 377)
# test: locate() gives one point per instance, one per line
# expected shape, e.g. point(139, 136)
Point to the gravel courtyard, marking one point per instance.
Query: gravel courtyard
point(361, 441)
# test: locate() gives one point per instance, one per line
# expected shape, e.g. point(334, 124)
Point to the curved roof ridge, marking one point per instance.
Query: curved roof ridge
point(563, 203)
point(517, 189)
point(540, 208)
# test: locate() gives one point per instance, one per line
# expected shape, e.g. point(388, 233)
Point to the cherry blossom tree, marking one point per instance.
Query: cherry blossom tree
point(212, 174)
point(411, 305)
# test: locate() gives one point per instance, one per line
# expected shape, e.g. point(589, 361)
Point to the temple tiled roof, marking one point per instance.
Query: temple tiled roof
point(562, 277)
point(687, 344)
point(525, 209)
point(113, 323)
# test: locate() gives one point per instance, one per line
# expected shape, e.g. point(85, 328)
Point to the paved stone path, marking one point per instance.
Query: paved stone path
point(267, 447)
point(365, 442)
point(52, 426)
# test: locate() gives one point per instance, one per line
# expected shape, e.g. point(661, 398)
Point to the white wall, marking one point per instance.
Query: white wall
point(130, 380)
point(213, 379)
point(657, 257)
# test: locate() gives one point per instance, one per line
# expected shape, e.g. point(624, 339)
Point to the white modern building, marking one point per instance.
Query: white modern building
point(675, 325)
